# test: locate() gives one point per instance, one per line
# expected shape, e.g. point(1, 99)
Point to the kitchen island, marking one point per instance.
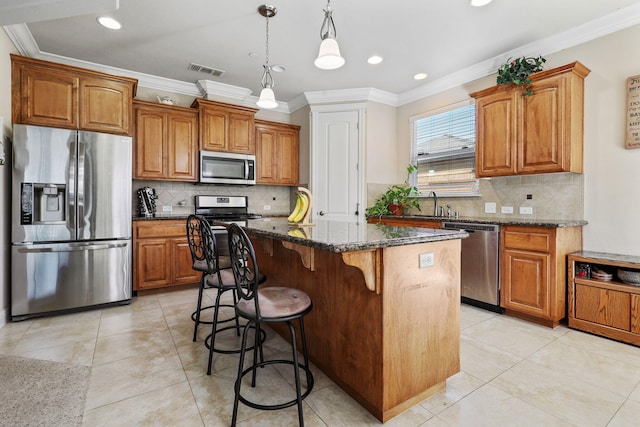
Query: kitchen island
point(384, 329)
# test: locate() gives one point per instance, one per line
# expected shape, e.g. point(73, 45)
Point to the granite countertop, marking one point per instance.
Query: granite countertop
point(159, 217)
point(338, 236)
point(551, 223)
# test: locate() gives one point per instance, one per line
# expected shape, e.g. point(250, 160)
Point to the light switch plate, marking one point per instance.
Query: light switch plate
point(526, 210)
point(166, 209)
point(267, 207)
point(506, 209)
point(490, 207)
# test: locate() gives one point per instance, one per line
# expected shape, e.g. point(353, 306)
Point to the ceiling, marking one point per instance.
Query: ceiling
point(443, 38)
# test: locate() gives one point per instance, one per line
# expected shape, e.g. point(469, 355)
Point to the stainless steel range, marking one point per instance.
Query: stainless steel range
point(224, 208)
point(219, 210)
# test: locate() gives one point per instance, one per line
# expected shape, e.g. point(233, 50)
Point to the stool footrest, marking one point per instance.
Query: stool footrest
point(208, 322)
point(207, 340)
point(274, 407)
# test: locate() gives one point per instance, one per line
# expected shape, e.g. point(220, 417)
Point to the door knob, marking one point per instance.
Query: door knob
point(321, 213)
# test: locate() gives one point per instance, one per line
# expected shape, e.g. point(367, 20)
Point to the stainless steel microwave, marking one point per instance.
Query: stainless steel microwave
point(227, 168)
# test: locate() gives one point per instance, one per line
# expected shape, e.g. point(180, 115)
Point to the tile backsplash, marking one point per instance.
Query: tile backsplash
point(180, 196)
point(556, 196)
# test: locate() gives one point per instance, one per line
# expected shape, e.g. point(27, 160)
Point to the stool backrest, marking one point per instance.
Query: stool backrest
point(243, 264)
point(202, 242)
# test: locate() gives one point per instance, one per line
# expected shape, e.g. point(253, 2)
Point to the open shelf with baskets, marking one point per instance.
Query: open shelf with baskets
point(602, 303)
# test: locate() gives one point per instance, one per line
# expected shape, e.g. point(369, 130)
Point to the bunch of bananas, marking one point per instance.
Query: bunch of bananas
point(303, 206)
point(297, 232)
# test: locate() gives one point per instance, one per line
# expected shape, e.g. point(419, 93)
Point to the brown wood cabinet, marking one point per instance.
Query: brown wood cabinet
point(226, 127)
point(540, 133)
point(533, 271)
point(166, 142)
point(50, 94)
point(606, 308)
point(161, 255)
point(277, 153)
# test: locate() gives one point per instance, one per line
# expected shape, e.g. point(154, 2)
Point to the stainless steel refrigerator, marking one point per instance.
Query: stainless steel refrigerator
point(71, 220)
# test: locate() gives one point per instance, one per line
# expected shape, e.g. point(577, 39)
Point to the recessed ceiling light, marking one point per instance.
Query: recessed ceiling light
point(420, 76)
point(110, 23)
point(278, 68)
point(375, 59)
point(478, 3)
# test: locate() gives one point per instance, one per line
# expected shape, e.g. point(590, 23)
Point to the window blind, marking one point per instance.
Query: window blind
point(444, 147)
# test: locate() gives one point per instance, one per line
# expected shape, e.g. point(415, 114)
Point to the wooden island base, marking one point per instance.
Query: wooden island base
point(381, 328)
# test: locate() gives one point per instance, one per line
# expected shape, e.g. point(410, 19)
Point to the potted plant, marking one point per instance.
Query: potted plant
point(517, 71)
point(396, 199)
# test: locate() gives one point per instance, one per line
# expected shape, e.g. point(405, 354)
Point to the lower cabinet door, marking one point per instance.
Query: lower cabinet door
point(183, 272)
point(603, 306)
point(525, 283)
point(152, 268)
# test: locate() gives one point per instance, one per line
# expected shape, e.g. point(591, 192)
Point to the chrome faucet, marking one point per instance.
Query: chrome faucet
point(435, 202)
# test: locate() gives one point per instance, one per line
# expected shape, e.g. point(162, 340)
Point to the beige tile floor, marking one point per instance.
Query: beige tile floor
point(147, 371)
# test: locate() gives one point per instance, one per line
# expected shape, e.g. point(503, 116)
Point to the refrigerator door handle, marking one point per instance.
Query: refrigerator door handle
point(81, 182)
point(71, 192)
point(61, 247)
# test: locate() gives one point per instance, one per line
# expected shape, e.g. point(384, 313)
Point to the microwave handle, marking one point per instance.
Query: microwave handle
point(246, 169)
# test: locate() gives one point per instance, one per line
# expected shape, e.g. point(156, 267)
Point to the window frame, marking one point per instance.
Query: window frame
point(443, 190)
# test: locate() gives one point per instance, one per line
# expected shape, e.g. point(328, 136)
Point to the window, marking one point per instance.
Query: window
point(444, 148)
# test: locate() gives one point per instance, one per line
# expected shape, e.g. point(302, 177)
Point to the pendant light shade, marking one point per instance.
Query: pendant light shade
point(267, 97)
point(329, 57)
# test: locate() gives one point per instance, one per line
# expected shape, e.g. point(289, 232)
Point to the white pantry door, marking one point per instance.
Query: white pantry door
point(337, 169)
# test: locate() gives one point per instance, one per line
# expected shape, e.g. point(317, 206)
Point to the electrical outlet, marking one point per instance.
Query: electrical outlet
point(426, 259)
point(506, 209)
point(490, 207)
point(166, 209)
point(526, 210)
point(267, 207)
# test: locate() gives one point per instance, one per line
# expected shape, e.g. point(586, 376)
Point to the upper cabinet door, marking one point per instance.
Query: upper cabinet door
point(241, 130)
point(541, 145)
point(182, 146)
point(496, 134)
point(150, 144)
point(46, 98)
point(213, 128)
point(287, 160)
point(105, 106)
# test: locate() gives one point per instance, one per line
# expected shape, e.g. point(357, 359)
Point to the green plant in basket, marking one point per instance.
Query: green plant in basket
point(396, 199)
point(517, 71)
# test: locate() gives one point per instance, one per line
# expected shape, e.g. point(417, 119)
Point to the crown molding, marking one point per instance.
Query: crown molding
point(351, 95)
point(22, 39)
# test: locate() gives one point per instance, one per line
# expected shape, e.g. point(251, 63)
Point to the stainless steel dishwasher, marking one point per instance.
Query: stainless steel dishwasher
point(480, 269)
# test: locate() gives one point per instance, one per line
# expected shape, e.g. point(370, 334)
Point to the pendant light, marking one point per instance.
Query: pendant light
point(267, 97)
point(329, 56)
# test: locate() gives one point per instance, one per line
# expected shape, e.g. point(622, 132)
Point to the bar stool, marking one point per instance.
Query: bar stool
point(265, 305)
point(215, 271)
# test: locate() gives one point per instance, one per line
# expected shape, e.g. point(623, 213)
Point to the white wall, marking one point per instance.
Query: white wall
point(611, 173)
point(6, 47)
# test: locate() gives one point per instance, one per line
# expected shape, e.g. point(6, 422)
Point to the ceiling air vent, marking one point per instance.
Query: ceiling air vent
point(204, 69)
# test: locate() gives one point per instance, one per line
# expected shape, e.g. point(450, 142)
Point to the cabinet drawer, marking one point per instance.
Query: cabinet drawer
point(528, 240)
point(164, 228)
